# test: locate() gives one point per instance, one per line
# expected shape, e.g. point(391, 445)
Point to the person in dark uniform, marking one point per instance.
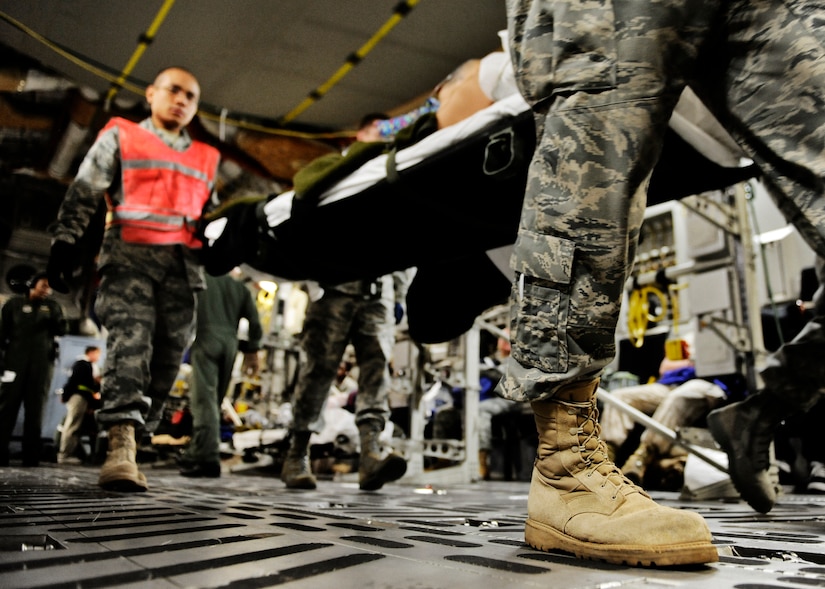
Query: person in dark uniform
point(156, 182)
point(28, 325)
point(220, 309)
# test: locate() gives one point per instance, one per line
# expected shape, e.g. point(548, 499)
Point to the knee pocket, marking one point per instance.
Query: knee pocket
point(543, 266)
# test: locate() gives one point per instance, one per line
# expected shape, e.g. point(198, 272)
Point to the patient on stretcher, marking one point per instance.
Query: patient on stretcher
point(447, 192)
point(469, 100)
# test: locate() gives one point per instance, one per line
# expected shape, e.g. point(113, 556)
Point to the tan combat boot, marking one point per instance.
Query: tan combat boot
point(580, 502)
point(120, 471)
point(636, 464)
point(375, 469)
point(296, 471)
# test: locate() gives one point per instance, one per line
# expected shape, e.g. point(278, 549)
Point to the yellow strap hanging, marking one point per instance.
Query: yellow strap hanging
point(145, 40)
point(401, 10)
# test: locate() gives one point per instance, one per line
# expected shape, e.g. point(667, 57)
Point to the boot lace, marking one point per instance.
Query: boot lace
point(593, 450)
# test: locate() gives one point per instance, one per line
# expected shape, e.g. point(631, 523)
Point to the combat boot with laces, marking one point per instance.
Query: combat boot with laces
point(119, 471)
point(296, 472)
point(580, 502)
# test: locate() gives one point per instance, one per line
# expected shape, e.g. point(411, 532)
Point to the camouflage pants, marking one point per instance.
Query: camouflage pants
point(149, 324)
point(331, 323)
point(795, 371)
point(603, 78)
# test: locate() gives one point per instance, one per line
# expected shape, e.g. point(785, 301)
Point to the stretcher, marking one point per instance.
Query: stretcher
point(448, 205)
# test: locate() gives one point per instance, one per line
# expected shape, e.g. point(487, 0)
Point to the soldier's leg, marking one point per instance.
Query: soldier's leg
point(373, 337)
point(174, 330)
point(775, 107)
point(601, 115)
point(325, 337)
point(125, 306)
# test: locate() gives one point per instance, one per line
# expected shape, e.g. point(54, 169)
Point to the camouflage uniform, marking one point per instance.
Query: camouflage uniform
point(602, 79)
point(146, 298)
point(361, 313)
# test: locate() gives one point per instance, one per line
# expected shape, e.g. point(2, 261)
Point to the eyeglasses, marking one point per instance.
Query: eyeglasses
point(175, 90)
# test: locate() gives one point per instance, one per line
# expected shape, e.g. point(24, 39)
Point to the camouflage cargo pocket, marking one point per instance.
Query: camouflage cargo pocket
point(539, 325)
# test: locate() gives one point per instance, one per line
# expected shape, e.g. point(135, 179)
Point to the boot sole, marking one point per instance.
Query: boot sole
point(123, 486)
point(123, 480)
point(547, 539)
point(305, 483)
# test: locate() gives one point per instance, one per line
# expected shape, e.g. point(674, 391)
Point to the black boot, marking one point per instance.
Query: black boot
point(374, 469)
point(745, 430)
point(210, 470)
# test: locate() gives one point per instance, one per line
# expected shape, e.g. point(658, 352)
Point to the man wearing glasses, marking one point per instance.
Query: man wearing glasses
point(155, 180)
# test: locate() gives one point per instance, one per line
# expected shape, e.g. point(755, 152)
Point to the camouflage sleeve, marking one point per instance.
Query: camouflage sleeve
point(94, 178)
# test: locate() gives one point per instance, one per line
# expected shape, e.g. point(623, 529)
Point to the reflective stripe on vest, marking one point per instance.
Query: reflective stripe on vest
point(164, 190)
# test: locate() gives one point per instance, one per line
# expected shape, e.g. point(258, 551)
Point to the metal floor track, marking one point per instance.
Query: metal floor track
point(245, 530)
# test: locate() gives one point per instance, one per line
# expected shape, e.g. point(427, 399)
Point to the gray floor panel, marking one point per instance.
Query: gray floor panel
point(245, 530)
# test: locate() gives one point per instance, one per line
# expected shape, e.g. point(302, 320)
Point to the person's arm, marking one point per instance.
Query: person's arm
point(59, 325)
point(94, 177)
point(250, 312)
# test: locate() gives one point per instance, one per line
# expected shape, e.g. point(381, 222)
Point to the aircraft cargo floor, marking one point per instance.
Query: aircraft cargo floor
point(245, 530)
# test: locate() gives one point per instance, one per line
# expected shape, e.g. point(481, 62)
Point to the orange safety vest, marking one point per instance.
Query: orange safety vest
point(164, 190)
